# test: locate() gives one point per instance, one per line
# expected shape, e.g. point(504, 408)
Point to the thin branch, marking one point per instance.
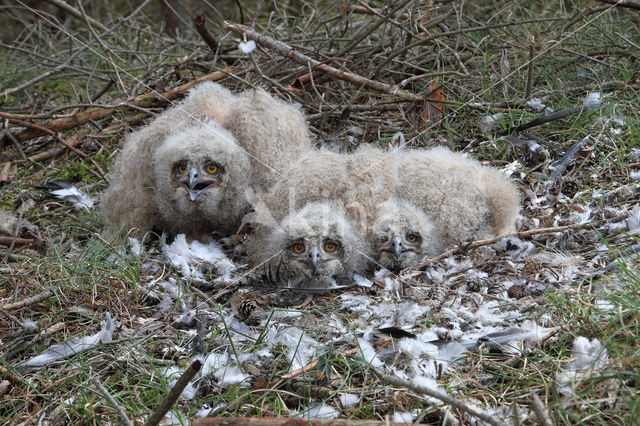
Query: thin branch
point(541, 411)
point(288, 52)
point(631, 4)
point(30, 301)
point(121, 412)
point(417, 270)
point(143, 101)
point(76, 13)
point(174, 393)
point(200, 22)
point(447, 399)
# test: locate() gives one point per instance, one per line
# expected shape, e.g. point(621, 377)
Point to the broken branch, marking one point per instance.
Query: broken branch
point(142, 101)
point(288, 52)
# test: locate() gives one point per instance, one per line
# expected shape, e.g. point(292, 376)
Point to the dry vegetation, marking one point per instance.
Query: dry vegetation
point(428, 72)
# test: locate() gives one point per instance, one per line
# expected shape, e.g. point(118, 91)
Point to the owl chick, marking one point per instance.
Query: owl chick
point(129, 199)
point(402, 235)
point(197, 184)
point(316, 247)
point(465, 199)
point(274, 134)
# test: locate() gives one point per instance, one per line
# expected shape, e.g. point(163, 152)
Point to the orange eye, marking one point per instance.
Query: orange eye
point(298, 248)
point(412, 238)
point(330, 246)
point(181, 168)
point(212, 168)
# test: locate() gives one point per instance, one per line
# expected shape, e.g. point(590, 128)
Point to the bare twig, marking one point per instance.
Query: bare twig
point(30, 301)
point(447, 399)
point(144, 101)
point(540, 410)
point(121, 412)
point(631, 4)
point(76, 13)
point(200, 22)
point(174, 393)
point(416, 270)
point(288, 52)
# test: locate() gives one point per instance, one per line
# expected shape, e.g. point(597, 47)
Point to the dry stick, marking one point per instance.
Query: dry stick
point(30, 301)
point(200, 22)
point(417, 270)
point(75, 13)
point(145, 101)
point(50, 153)
point(121, 412)
point(288, 52)
point(14, 141)
point(174, 393)
point(631, 4)
point(5, 241)
point(447, 399)
point(541, 411)
point(41, 77)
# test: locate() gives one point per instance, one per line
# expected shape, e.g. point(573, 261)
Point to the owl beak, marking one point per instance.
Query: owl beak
point(196, 185)
point(313, 258)
point(397, 247)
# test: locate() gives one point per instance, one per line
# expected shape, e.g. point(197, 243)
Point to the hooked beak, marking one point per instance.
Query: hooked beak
point(313, 258)
point(196, 185)
point(397, 247)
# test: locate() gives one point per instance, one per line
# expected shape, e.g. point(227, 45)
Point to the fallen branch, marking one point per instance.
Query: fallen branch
point(288, 52)
point(442, 396)
point(174, 393)
point(76, 13)
point(6, 241)
point(631, 4)
point(541, 411)
point(414, 271)
point(200, 22)
point(30, 301)
point(146, 100)
point(121, 412)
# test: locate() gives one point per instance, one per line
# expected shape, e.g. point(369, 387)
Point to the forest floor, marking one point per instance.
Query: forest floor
point(537, 327)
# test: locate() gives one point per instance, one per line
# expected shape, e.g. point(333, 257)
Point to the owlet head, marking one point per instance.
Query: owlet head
point(402, 234)
point(316, 247)
point(194, 168)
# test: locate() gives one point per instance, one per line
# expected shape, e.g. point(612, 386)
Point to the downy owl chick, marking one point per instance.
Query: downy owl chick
point(402, 235)
point(316, 247)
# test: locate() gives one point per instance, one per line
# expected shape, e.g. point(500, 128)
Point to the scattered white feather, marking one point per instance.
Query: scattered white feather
point(403, 417)
point(633, 221)
point(231, 375)
point(348, 399)
point(634, 175)
point(536, 104)
point(135, 246)
point(361, 281)
point(367, 352)
point(72, 194)
point(70, 347)
point(588, 356)
point(592, 99)
point(316, 410)
point(247, 47)
point(191, 258)
point(301, 347)
point(490, 122)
